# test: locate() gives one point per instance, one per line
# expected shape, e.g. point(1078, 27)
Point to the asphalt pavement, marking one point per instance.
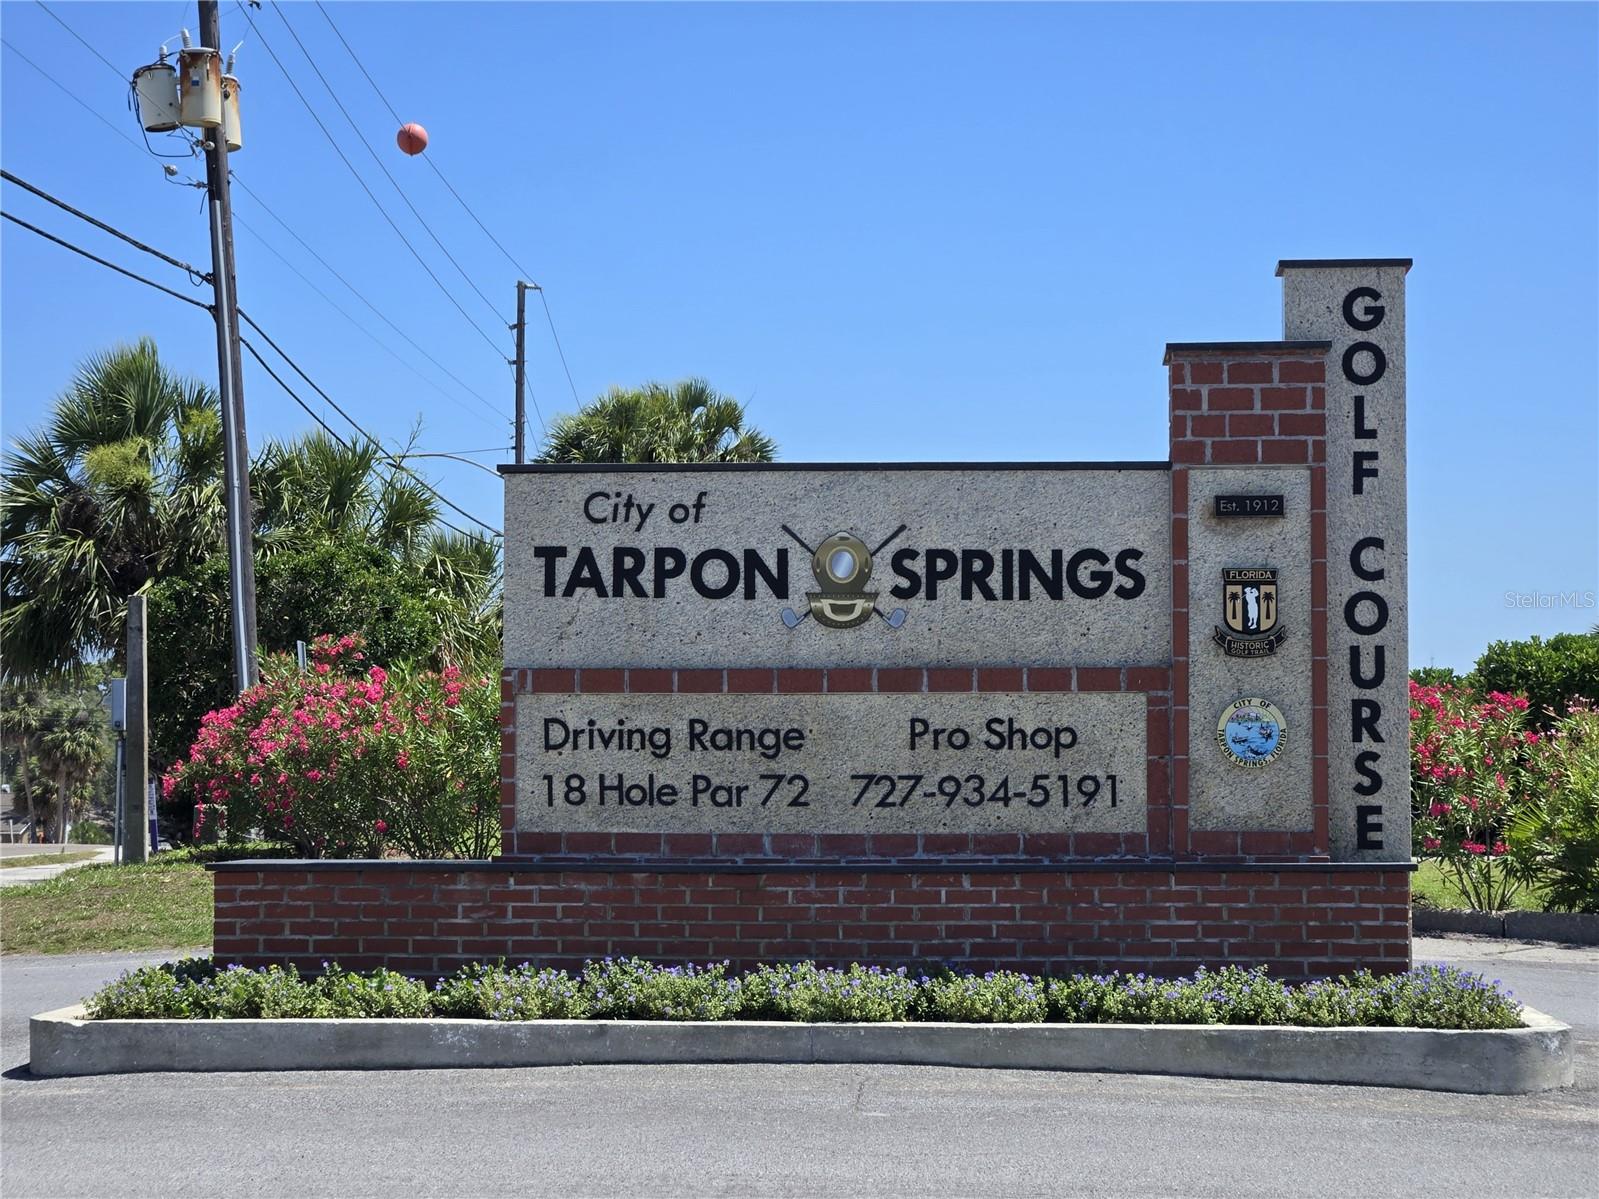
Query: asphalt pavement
point(790, 1130)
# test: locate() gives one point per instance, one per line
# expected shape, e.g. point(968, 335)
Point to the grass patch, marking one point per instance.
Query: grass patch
point(236, 852)
point(1432, 887)
point(48, 859)
point(152, 906)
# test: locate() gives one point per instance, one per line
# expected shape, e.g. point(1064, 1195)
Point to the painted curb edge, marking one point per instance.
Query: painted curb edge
point(1566, 928)
point(1537, 1057)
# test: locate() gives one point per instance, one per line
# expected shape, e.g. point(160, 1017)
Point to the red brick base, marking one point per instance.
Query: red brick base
point(427, 918)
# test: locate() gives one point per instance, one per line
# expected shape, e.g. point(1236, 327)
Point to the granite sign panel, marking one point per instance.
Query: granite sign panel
point(1249, 585)
point(832, 566)
point(862, 763)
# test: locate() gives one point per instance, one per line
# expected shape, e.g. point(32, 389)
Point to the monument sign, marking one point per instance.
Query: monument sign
point(1051, 715)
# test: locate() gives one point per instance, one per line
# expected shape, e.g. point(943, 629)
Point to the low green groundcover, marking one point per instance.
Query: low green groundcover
point(632, 989)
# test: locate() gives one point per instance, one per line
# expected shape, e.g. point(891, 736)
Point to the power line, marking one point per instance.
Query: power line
point(332, 141)
point(456, 457)
point(357, 293)
point(290, 392)
point(519, 378)
point(195, 273)
point(556, 337)
point(461, 200)
point(398, 465)
point(78, 100)
point(309, 411)
point(144, 151)
point(399, 120)
point(115, 70)
point(379, 342)
point(176, 295)
point(375, 158)
point(543, 299)
point(121, 78)
point(394, 462)
point(200, 276)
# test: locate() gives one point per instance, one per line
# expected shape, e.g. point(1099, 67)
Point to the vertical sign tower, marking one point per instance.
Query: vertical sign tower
point(1358, 305)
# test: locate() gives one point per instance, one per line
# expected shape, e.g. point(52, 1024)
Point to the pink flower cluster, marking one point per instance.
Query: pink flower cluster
point(1473, 765)
point(327, 759)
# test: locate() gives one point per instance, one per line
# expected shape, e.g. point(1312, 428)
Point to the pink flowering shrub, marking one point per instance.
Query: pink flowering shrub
point(1555, 838)
point(1474, 765)
point(349, 760)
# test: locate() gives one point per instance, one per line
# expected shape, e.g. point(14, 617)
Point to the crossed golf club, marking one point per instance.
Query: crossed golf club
point(892, 619)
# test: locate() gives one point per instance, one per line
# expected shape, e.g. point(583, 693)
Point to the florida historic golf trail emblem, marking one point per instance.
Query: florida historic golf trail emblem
point(1249, 608)
point(1251, 732)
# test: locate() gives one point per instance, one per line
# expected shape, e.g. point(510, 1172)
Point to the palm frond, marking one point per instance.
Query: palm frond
point(687, 421)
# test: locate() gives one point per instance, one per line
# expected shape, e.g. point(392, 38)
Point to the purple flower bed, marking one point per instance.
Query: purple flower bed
point(633, 989)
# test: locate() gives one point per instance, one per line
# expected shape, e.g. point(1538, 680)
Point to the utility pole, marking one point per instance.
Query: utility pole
point(136, 752)
point(521, 371)
point(230, 374)
point(116, 701)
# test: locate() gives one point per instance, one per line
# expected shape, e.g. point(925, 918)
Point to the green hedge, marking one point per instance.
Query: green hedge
point(632, 989)
point(1550, 674)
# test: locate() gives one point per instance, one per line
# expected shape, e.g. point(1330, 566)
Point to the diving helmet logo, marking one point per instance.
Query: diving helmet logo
point(842, 566)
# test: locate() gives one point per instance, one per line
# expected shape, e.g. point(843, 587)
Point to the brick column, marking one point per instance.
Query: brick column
point(1247, 404)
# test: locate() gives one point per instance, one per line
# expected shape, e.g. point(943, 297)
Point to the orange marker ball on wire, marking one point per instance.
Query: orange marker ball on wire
point(412, 138)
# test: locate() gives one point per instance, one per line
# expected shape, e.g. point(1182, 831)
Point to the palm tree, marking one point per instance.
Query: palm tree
point(462, 573)
point(72, 749)
point(686, 422)
point(120, 487)
point(315, 487)
point(21, 722)
point(72, 752)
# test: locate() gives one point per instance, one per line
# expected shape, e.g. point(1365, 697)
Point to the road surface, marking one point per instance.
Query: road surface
point(790, 1130)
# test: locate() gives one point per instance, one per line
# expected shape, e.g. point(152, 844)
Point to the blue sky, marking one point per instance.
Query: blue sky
point(897, 232)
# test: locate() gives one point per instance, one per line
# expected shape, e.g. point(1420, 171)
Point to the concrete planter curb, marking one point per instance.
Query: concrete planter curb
point(1569, 928)
point(1512, 1061)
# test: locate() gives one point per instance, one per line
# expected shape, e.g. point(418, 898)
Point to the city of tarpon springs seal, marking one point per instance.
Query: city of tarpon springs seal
point(1251, 731)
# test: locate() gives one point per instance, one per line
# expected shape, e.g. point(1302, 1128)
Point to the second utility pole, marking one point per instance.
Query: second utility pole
point(521, 371)
point(230, 375)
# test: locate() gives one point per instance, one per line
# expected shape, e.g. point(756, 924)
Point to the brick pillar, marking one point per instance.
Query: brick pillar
point(1257, 409)
point(1247, 402)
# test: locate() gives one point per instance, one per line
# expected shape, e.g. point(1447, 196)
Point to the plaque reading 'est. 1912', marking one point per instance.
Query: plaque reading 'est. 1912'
point(1249, 505)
